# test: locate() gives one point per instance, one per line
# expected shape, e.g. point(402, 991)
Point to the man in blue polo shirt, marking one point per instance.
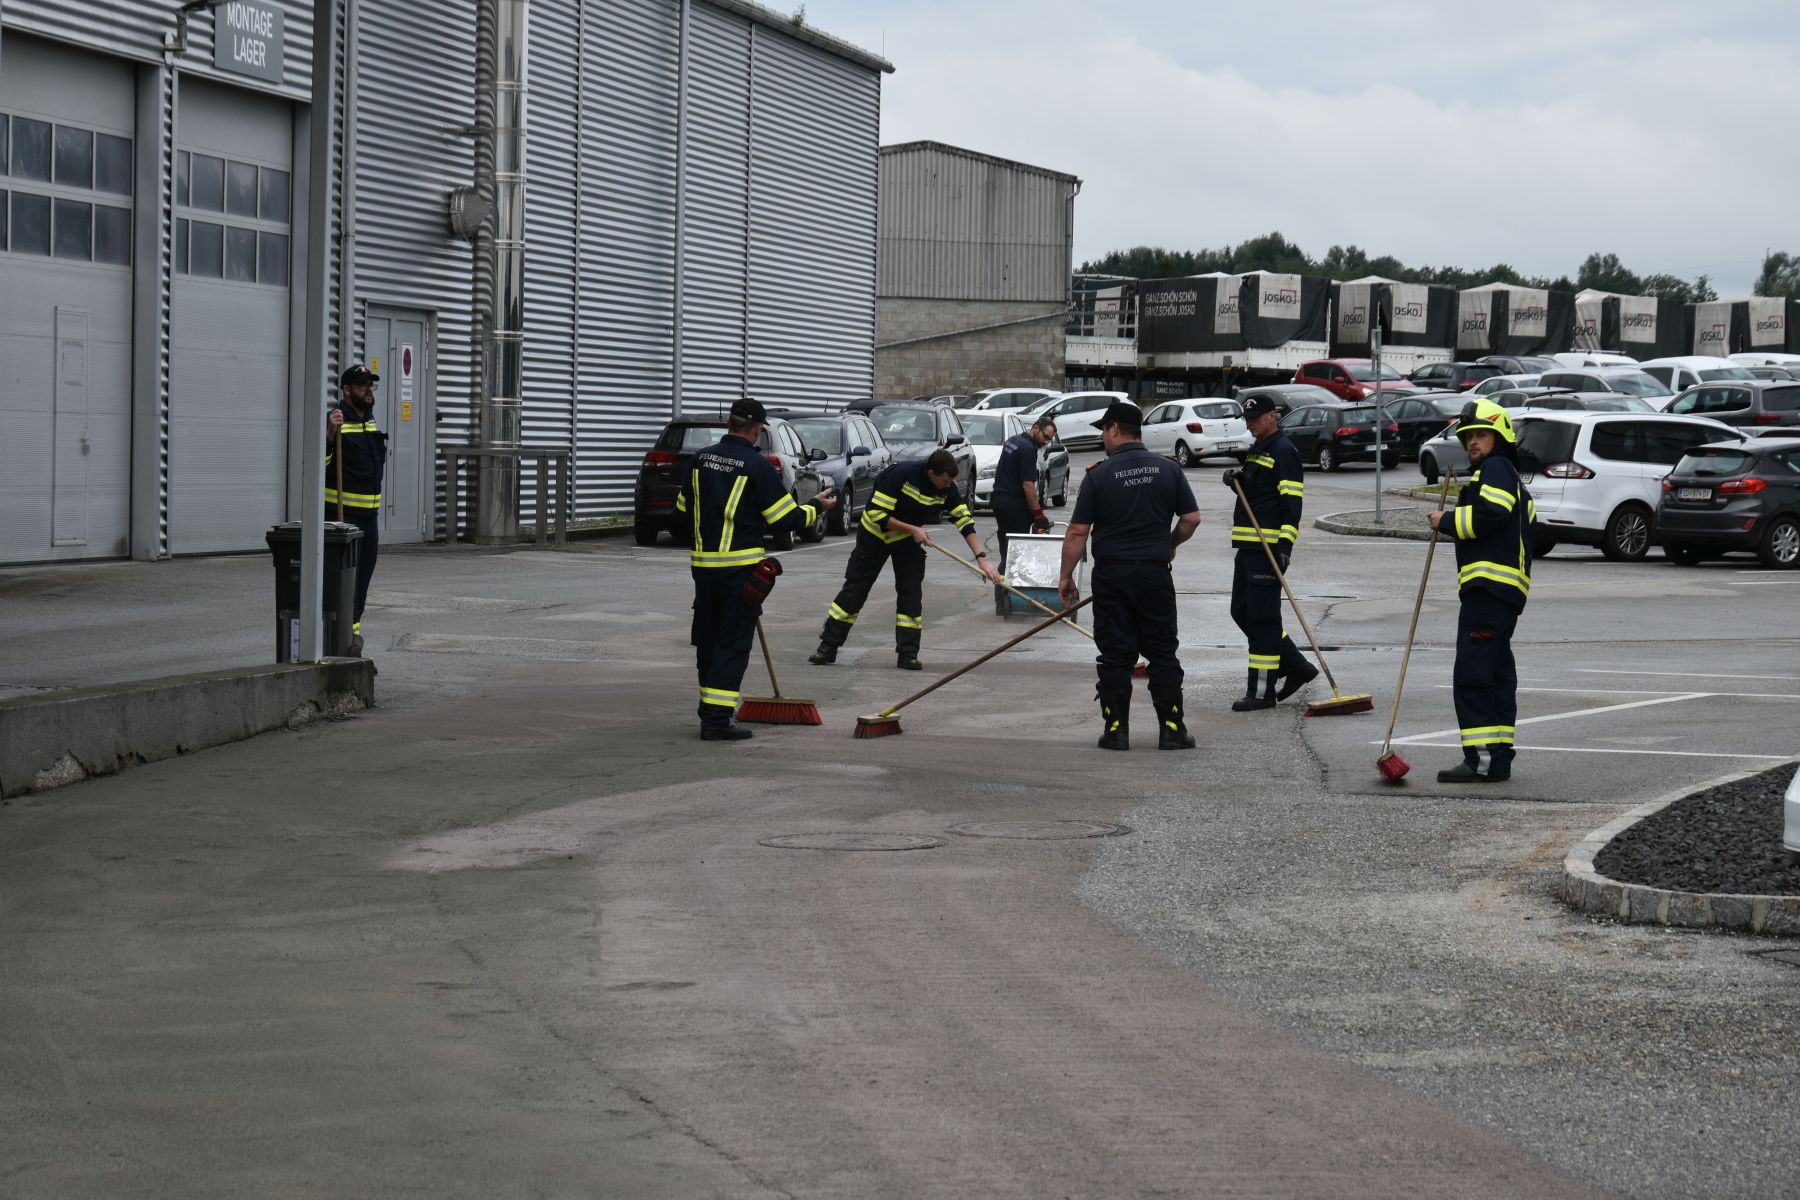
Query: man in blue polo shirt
point(1132, 498)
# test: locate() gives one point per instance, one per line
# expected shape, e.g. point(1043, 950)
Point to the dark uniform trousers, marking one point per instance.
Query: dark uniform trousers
point(866, 561)
point(1134, 614)
point(369, 521)
point(1010, 516)
point(1256, 607)
point(1485, 681)
point(722, 632)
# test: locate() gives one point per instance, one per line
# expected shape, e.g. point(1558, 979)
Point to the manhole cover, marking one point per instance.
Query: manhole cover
point(1040, 831)
point(851, 841)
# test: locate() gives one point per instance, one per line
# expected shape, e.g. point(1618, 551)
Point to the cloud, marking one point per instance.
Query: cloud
point(1432, 132)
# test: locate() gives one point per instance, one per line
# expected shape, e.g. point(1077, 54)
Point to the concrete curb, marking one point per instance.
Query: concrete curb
point(1586, 889)
point(56, 738)
point(1362, 524)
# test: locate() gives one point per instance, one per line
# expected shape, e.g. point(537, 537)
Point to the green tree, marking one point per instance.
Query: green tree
point(1780, 276)
point(1604, 272)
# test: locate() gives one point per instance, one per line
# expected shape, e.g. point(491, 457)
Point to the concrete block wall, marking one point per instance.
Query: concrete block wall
point(1022, 355)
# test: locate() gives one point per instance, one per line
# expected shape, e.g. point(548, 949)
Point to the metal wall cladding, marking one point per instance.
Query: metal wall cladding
point(135, 29)
point(955, 225)
point(554, 235)
point(716, 183)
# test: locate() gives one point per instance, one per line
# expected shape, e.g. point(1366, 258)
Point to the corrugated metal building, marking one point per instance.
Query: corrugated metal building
point(974, 271)
point(153, 234)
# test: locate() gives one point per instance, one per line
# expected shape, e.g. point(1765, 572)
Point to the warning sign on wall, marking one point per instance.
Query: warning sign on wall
point(407, 375)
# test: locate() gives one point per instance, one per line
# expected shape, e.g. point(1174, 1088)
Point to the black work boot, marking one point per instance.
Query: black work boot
point(824, 656)
point(727, 730)
point(1466, 771)
point(907, 662)
point(1251, 701)
point(1500, 760)
point(1115, 720)
point(1296, 673)
point(1171, 730)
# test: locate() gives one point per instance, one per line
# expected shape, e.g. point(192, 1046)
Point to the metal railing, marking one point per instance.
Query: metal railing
point(544, 455)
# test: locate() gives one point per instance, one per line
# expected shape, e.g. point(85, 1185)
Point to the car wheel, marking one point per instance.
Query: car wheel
point(1328, 458)
point(1390, 461)
point(1683, 555)
point(1428, 468)
point(838, 519)
point(644, 534)
point(1183, 455)
point(1780, 546)
point(1627, 536)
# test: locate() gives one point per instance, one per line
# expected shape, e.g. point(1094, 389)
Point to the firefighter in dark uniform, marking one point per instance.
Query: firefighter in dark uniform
point(1491, 525)
point(734, 498)
point(1131, 498)
point(351, 432)
point(1275, 484)
point(1018, 507)
point(893, 527)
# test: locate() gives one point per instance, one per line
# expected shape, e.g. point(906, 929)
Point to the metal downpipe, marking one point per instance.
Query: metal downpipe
point(502, 407)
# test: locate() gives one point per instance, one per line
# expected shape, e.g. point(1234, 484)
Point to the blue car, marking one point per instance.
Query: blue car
point(846, 449)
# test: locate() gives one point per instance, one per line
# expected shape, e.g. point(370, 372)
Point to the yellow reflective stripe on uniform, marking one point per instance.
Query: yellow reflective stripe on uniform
point(913, 493)
point(1247, 533)
point(1290, 487)
point(720, 558)
point(779, 509)
point(731, 507)
point(698, 544)
point(719, 696)
point(1290, 533)
point(1496, 573)
point(882, 500)
point(1488, 735)
point(881, 531)
point(906, 622)
point(1497, 496)
point(354, 499)
point(1261, 460)
point(359, 427)
point(1463, 525)
point(961, 517)
point(1531, 510)
point(680, 501)
point(1265, 662)
point(840, 614)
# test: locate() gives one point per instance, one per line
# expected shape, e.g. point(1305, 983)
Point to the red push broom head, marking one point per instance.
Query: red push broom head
point(779, 710)
point(877, 726)
point(1393, 768)
point(1341, 706)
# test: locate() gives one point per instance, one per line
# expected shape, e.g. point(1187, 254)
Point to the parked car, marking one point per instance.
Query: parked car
point(987, 433)
point(1685, 371)
point(1502, 383)
point(1742, 402)
point(1422, 417)
point(1596, 477)
point(1075, 414)
point(1767, 358)
point(1332, 435)
point(1443, 453)
point(1287, 396)
point(666, 465)
point(851, 454)
point(1775, 373)
point(912, 429)
point(1551, 400)
point(1520, 364)
point(1627, 381)
point(1524, 397)
point(1733, 496)
point(1204, 427)
point(1007, 399)
point(1593, 358)
point(1453, 376)
point(1352, 378)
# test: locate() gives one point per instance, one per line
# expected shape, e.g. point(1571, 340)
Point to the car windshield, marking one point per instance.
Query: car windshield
point(692, 437)
point(1634, 383)
point(967, 402)
point(1355, 416)
point(1365, 372)
point(1617, 404)
point(905, 423)
point(1224, 411)
point(1040, 404)
point(1713, 374)
point(984, 429)
point(1540, 365)
point(1545, 443)
point(1448, 406)
point(821, 435)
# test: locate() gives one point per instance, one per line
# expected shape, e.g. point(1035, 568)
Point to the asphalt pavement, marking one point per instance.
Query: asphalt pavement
point(517, 931)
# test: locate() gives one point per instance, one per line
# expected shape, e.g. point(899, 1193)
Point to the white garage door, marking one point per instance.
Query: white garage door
point(66, 122)
point(228, 363)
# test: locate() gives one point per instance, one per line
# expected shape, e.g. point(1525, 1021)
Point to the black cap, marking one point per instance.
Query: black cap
point(1257, 406)
point(1121, 412)
point(356, 373)
point(749, 410)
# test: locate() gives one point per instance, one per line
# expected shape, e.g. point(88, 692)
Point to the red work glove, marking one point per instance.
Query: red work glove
point(1039, 522)
point(760, 583)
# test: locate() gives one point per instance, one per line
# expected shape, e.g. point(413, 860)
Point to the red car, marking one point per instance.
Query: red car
point(1352, 378)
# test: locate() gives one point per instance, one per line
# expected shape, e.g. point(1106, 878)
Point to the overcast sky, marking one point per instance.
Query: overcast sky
point(1437, 131)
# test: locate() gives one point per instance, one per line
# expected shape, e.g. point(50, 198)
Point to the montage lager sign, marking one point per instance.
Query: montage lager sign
point(247, 39)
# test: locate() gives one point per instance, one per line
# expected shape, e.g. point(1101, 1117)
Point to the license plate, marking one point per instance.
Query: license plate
point(1230, 445)
point(1693, 493)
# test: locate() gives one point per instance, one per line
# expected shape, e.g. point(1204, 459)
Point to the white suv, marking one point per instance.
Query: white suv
point(1690, 370)
point(1597, 476)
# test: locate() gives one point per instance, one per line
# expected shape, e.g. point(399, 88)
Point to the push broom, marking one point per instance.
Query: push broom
point(1339, 705)
point(1393, 768)
point(885, 723)
point(776, 709)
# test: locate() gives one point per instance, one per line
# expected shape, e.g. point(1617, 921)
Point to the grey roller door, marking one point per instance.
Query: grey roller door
point(66, 154)
point(228, 365)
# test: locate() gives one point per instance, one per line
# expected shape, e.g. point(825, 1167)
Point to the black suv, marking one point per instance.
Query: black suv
point(912, 429)
point(666, 466)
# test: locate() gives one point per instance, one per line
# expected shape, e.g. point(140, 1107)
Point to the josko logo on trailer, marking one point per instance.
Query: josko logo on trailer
point(1281, 297)
point(1411, 310)
point(1638, 321)
point(1714, 336)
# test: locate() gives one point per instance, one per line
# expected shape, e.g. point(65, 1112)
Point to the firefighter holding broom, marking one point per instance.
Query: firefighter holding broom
point(1491, 526)
point(734, 497)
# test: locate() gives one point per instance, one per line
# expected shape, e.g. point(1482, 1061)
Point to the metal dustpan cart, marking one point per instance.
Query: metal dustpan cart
point(1033, 565)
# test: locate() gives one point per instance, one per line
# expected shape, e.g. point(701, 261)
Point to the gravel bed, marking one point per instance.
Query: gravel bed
point(1725, 839)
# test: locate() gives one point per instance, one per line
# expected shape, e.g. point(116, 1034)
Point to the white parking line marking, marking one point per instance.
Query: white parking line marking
point(1600, 750)
point(1681, 674)
point(1418, 738)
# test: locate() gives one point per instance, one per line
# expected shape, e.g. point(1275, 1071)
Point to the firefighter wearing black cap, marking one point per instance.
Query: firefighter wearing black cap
point(734, 498)
point(1491, 525)
point(351, 433)
point(893, 528)
point(1018, 506)
point(1131, 499)
point(1275, 485)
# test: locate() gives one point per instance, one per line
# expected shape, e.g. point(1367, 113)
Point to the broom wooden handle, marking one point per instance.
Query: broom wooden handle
point(1037, 604)
point(338, 453)
point(1387, 742)
point(1292, 599)
point(768, 660)
point(964, 670)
